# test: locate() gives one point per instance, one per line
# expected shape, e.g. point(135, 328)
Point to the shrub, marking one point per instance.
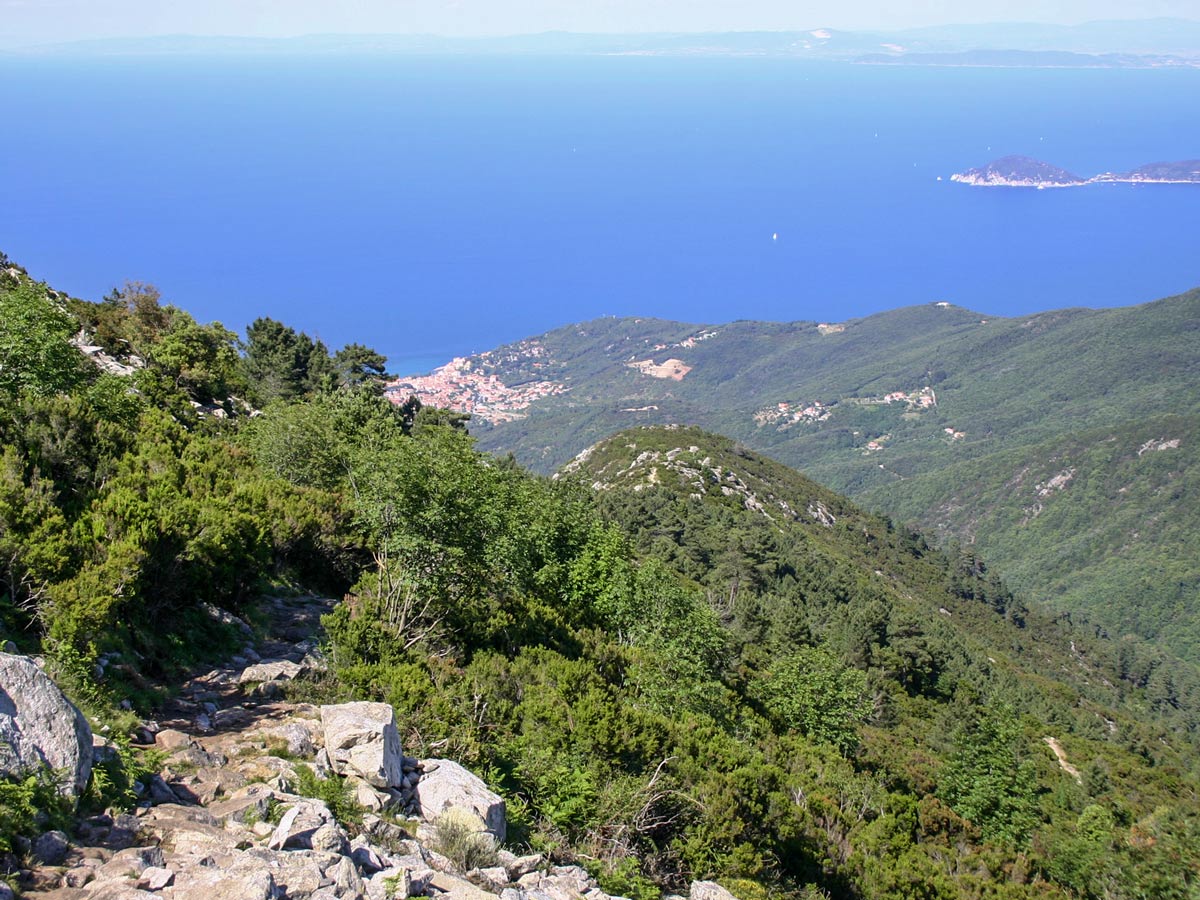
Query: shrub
point(112, 782)
point(29, 805)
point(459, 836)
point(333, 791)
point(811, 691)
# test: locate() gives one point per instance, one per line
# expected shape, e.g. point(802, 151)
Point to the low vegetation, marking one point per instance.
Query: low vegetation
point(678, 660)
point(460, 837)
point(331, 790)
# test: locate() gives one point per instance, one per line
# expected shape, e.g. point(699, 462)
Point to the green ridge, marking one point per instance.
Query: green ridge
point(1020, 393)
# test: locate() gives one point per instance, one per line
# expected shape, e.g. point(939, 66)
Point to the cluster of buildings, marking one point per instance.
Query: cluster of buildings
point(787, 414)
point(687, 343)
point(925, 398)
point(459, 386)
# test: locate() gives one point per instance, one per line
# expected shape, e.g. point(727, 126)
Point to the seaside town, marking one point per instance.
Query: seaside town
point(458, 385)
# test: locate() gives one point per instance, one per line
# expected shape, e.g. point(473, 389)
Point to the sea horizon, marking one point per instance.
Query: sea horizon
point(437, 207)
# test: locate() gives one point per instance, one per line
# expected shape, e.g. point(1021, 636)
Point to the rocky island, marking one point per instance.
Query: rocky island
point(1023, 171)
point(1018, 171)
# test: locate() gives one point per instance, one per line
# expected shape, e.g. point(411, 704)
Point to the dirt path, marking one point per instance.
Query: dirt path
point(1062, 758)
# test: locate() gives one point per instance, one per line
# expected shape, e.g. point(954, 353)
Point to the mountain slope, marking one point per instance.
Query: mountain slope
point(754, 531)
point(933, 414)
point(693, 662)
point(787, 563)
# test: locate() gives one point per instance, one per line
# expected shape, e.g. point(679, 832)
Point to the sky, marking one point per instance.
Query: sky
point(38, 21)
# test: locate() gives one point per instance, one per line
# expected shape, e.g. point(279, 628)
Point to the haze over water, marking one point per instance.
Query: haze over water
point(438, 206)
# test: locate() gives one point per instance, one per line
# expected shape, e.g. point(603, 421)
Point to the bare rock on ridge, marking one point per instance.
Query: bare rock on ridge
point(40, 727)
point(361, 739)
point(447, 785)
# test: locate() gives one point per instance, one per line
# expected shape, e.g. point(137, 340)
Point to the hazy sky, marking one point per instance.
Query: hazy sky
point(26, 21)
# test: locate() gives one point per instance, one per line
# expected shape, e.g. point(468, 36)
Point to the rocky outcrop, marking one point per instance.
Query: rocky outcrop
point(271, 670)
point(708, 890)
point(221, 819)
point(182, 852)
point(40, 728)
point(106, 362)
point(361, 740)
point(446, 785)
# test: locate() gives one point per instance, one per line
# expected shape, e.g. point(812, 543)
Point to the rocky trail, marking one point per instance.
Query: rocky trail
point(223, 819)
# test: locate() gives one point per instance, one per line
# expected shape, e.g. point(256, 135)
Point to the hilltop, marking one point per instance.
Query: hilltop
point(1032, 439)
point(780, 556)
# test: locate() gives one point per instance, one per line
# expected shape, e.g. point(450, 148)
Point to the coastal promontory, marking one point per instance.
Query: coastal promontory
point(1024, 171)
point(1018, 171)
point(1185, 172)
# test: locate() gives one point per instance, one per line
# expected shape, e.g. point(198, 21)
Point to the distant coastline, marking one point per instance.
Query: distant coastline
point(1124, 44)
point(1026, 172)
point(1030, 59)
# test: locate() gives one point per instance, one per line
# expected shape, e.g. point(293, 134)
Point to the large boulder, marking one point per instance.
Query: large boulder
point(309, 825)
point(361, 739)
point(215, 883)
point(446, 785)
point(51, 848)
point(708, 890)
point(40, 728)
point(272, 670)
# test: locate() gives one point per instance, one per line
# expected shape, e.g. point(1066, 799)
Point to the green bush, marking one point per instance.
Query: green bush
point(30, 805)
point(36, 355)
point(990, 780)
point(625, 879)
point(333, 791)
point(812, 692)
point(112, 782)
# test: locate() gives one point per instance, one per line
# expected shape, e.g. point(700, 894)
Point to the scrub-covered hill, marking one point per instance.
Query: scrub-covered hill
point(679, 660)
point(1060, 445)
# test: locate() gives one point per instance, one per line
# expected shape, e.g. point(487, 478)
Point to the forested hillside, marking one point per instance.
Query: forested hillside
point(676, 660)
point(1060, 445)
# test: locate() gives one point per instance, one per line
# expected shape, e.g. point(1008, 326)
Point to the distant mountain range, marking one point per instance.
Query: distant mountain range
point(1023, 171)
point(1138, 43)
point(1064, 446)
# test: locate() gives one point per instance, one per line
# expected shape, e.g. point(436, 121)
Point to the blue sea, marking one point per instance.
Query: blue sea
point(437, 206)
